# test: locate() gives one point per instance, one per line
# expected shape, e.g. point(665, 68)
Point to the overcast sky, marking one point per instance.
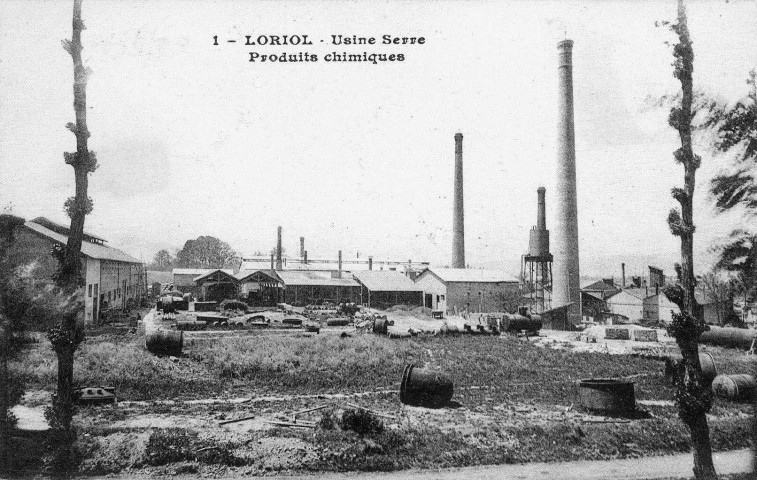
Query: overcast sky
point(193, 139)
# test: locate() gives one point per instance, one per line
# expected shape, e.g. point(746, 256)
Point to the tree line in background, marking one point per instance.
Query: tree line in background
point(202, 252)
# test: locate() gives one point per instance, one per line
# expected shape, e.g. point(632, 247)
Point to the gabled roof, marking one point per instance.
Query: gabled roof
point(471, 275)
point(89, 249)
point(216, 272)
point(386, 281)
point(593, 295)
point(638, 293)
point(260, 276)
point(199, 271)
point(315, 278)
point(599, 286)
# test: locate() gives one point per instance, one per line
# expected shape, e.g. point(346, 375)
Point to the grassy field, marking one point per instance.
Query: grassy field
point(493, 377)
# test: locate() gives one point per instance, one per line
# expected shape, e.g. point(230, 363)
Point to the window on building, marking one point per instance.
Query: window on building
point(89, 291)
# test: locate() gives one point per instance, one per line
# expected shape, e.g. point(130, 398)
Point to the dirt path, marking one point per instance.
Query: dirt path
point(665, 467)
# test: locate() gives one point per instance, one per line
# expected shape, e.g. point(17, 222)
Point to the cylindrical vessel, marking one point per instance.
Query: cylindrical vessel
point(292, 321)
point(674, 362)
point(729, 337)
point(607, 395)
point(512, 322)
point(337, 322)
point(739, 388)
point(380, 326)
point(449, 329)
point(399, 334)
point(165, 342)
point(425, 388)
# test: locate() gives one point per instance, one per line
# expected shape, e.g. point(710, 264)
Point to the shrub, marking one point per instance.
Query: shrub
point(229, 304)
point(361, 421)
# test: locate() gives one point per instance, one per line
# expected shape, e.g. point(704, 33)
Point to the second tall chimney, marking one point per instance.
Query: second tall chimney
point(279, 265)
point(458, 213)
point(302, 247)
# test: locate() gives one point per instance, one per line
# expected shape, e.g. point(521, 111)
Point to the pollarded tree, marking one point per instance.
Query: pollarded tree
point(66, 337)
point(693, 395)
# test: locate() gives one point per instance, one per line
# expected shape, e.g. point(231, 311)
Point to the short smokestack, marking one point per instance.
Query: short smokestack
point(541, 216)
point(566, 288)
point(370, 263)
point(305, 257)
point(458, 213)
point(272, 262)
point(279, 264)
point(623, 274)
point(340, 264)
point(302, 247)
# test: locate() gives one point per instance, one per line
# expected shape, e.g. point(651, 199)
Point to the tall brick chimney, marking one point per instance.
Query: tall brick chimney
point(566, 275)
point(279, 265)
point(458, 211)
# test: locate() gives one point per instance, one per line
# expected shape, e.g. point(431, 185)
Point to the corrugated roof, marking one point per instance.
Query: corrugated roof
point(92, 250)
point(159, 276)
point(300, 277)
point(386, 281)
point(242, 274)
point(199, 271)
point(472, 275)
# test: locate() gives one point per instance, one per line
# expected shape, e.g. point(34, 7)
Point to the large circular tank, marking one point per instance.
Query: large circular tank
point(538, 243)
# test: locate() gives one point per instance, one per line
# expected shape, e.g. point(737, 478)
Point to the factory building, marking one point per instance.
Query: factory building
point(113, 279)
point(383, 289)
point(308, 287)
point(456, 290)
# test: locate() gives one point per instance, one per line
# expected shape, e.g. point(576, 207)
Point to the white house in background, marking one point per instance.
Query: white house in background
point(629, 303)
point(659, 309)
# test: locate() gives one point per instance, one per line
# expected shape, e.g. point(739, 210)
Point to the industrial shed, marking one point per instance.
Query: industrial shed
point(385, 288)
point(318, 287)
point(184, 278)
point(468, 290)
point(217, 285)
point(259, 288)
point(113, 279)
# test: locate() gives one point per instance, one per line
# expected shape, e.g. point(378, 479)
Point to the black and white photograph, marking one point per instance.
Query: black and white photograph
point(378, 239)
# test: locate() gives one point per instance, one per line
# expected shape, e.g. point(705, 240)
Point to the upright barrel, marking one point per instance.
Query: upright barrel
point(607, 395)
point(165, 342)
point(425, 388)
point(380, 325)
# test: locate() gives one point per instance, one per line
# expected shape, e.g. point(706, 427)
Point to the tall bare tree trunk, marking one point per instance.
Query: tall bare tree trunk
point(693, 396)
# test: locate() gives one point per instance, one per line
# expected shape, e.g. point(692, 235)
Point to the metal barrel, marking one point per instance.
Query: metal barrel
point(513, 322)
point(425, 388)
point(449, 329)
point(739, 388)
point(292, 321)
point(709, 369)
point(380, 326)
point(399, 334)
point(166, 304)
point(607, 395)
point(337, 322)
point(165, 342)
point(729, 337)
